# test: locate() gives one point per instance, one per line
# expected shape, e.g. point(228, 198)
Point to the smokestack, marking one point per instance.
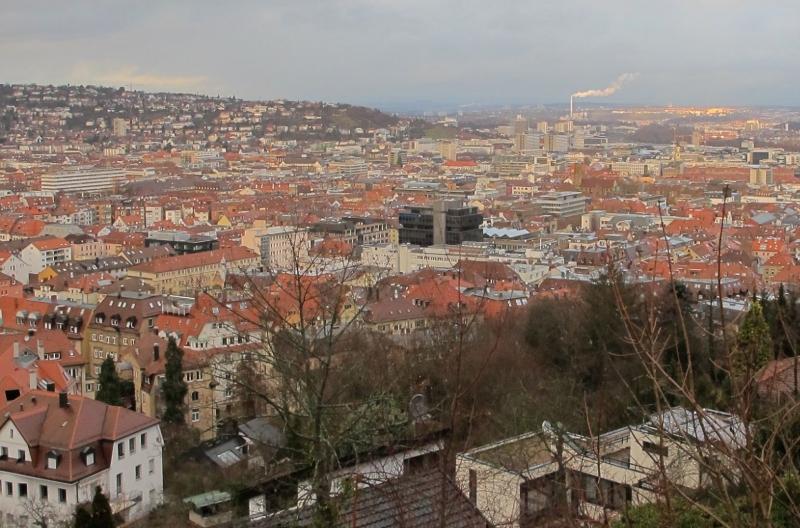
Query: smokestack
point(570, 106)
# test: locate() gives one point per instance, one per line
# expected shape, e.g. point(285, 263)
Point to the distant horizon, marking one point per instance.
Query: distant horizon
point(417, 105)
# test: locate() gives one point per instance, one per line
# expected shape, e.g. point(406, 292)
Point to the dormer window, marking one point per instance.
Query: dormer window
point(53, 459)
point(115, 320)
point(100, 318)
point(87, 455)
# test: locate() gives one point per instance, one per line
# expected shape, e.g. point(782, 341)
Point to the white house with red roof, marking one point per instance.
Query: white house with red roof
point(55, 449)
point(46, 252)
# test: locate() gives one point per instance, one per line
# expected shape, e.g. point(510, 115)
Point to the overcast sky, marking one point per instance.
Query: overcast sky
point(455, 51)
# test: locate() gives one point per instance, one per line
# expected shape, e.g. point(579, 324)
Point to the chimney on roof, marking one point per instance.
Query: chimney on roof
point(33, 379)
point(16, 349)
point(156, 352)
point(63, 400)
point(39, 348)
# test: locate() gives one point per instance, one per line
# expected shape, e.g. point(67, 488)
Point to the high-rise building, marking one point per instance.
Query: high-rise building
point(519, 125)
point(444, 223)
point(556, 142)
point(449, 150)
point(761, 176)
point(120, 127)
point(563, 127)
point(83, 180)
point(541, 127)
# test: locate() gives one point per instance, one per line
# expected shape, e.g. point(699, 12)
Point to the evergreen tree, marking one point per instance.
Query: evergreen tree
point(102, 517)
point(753, 343)
point(174, 387)
point(98, 514)
point(110, 386)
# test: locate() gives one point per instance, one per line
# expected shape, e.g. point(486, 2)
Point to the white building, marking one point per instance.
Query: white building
point(532, 478)
point(56, 449)
point(46, 252)
point(284, 247)
point(83, 180)
point(561, 203)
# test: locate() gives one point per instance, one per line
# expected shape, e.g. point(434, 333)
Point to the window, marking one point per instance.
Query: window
point(52, 460)
point(143, 440)
point(22, 489)
point(138, 472)
point(121, 450)
point(9, 489)
point(151, 466)
point(3, 453)
point(62, 495)
point(43, 492)
point(195, 395)
point(119, 483)
point(132, 445)
point(20, 455)
point(195, 415)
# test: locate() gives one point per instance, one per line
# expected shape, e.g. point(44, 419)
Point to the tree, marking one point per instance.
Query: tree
point(174, 387)
point(753, 344)
point(102, 517)
point(110, 390)
point(83, 517)
point(98, 514)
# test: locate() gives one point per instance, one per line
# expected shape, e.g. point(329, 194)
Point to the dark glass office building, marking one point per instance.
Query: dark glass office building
point(440, 224)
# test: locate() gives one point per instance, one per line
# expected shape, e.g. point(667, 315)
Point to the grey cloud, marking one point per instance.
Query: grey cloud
point(698, 51)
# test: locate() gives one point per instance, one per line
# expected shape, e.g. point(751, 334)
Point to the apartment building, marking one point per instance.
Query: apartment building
point(84, 180)
point(561, 203)
point(355, 231)
point(187, 274)
point(118, 322)
point(46, 252)
point(215, 338)
point(55, 449)
point(283, 247)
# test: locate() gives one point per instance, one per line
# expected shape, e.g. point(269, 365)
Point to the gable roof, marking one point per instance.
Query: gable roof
point(411, 501)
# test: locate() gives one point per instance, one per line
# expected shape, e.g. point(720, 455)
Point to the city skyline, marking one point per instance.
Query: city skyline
point(383, 53)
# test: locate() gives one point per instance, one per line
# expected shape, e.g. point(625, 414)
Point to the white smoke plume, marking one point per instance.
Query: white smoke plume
point(609, 90)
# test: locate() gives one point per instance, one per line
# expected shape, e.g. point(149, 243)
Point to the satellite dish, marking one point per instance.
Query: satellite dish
point(418, 407)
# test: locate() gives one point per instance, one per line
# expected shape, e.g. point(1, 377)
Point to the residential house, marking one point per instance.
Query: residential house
point(534, 478)
point(57, 448)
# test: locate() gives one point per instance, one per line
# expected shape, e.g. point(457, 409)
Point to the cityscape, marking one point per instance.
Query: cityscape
point(355, 305)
